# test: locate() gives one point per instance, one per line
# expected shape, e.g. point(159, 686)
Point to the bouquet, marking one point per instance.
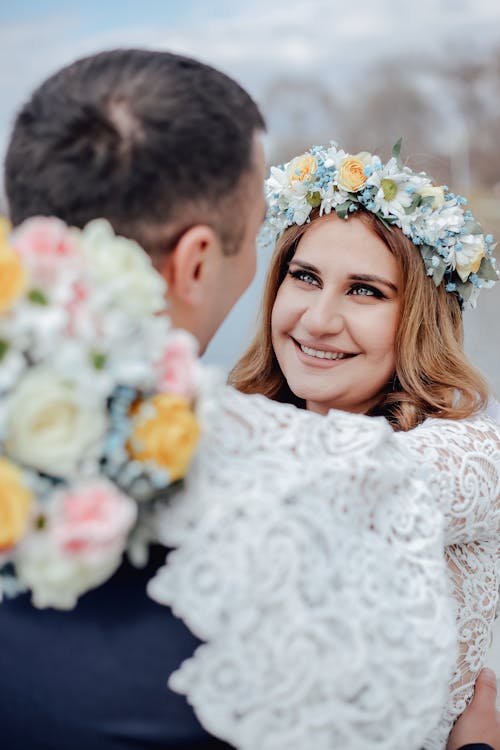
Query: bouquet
point(99, 399)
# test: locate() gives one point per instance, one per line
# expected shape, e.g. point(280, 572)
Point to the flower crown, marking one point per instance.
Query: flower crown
point(99, 406)
point(452, 244)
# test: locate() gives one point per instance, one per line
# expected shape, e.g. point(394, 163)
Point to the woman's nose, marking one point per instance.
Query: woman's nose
point(323, 317)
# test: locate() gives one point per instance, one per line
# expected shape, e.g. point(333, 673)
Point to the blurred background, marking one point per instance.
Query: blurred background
point(361, 73)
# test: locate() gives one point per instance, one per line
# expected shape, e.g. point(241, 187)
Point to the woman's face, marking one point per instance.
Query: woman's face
point(335, 316)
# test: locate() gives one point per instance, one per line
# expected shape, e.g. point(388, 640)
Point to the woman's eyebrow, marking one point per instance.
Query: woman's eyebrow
point(305, 266)
point(371, 277)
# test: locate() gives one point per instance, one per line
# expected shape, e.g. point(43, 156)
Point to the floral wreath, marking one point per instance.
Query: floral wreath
point(99, 406)
point(452, 244)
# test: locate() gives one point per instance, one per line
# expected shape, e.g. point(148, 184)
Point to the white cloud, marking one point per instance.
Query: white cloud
point(254, 41)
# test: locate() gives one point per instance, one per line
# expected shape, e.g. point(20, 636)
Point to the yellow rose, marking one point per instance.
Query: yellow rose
point(302, 168)
point(165, 431)
point(15, 504)
point(436, 192)
point(12, 274)
point(351, 175)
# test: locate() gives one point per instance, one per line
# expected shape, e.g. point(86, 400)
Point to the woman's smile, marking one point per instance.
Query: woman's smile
point(320, 357)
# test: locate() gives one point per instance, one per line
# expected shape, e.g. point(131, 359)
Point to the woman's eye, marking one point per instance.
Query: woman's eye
point(304, 276)
point(360, 290)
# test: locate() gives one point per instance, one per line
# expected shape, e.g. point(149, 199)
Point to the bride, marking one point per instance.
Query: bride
point(362, 313)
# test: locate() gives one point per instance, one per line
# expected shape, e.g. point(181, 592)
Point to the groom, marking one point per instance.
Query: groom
point(169, 151)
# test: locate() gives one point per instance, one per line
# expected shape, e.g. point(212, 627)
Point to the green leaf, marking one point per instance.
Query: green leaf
point(383, 221)
point(396, 150)
point(487, 271)
point(427, 200)
point(37, 297)
point(416, 200)
point(40, 522)
point(342, 211)
point(438, 274)
point(472, 227)
point(465, 290)
point(98, 360)
point(4, 348)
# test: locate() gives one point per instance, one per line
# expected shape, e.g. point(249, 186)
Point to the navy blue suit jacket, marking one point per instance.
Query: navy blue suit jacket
point(95, 678)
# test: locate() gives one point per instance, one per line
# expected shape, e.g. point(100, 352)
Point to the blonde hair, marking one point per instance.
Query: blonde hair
point(433, 377)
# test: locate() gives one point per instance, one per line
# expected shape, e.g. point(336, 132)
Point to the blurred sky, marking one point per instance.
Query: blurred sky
point(253, 41)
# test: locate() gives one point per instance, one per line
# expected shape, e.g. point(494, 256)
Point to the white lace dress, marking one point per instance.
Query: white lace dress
point(309, 559)
point(494, 654)
point(461, 460)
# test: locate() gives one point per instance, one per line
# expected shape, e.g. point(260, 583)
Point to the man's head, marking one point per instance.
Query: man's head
point(166, 149)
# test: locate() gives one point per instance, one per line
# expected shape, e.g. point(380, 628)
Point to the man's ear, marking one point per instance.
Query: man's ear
point(186, 267)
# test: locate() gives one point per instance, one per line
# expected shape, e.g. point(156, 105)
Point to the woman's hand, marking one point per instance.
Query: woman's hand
point(480, 722)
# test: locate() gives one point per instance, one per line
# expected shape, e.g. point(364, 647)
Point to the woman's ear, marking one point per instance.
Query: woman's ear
point(186, 269)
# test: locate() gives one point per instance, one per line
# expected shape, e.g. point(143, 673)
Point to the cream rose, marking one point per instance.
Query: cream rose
point(123, 267)
point(57, 579)
point(51, 424)
point(351, 174)
point(469, 258)
point(81, 544)
point(435, 192)
point(302, 168)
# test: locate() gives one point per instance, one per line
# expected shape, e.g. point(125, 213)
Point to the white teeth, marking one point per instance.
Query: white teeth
point(320, 354)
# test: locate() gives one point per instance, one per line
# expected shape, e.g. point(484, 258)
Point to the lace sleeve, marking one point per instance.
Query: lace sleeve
point(462, 463)
point(309, 560)
point(474, 583)
point(461, 460)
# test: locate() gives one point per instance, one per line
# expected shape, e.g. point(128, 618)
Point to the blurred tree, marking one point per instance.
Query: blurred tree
point(299, 113)
point(473, 145)
point(389, 104)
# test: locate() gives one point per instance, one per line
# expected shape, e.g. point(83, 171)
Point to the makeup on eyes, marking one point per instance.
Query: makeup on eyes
point(304, 270)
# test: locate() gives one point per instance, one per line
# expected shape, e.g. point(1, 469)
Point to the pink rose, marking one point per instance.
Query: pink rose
point(44, 238)
point(93, 521)
point(54, 260)
point(178, 366)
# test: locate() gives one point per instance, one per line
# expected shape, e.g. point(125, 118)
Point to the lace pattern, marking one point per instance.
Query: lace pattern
point(461, 460)
point(309, 559)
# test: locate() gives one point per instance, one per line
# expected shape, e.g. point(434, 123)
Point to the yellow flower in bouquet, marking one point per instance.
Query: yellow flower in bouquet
point(12, 274)
point(15, 504)
point(165, 431)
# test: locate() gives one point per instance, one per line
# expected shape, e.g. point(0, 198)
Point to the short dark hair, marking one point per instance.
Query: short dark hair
point(139, 137)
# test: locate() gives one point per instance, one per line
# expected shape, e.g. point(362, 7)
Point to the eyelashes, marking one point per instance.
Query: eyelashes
point(306, 276)
point(357, 289)
point(365, 290)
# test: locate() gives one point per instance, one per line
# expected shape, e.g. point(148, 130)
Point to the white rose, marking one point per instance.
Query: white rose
point(51, 424)
point(435, 192)
point(55, 579)
point(124, 269)
point(81, 544)
point(468, 259)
